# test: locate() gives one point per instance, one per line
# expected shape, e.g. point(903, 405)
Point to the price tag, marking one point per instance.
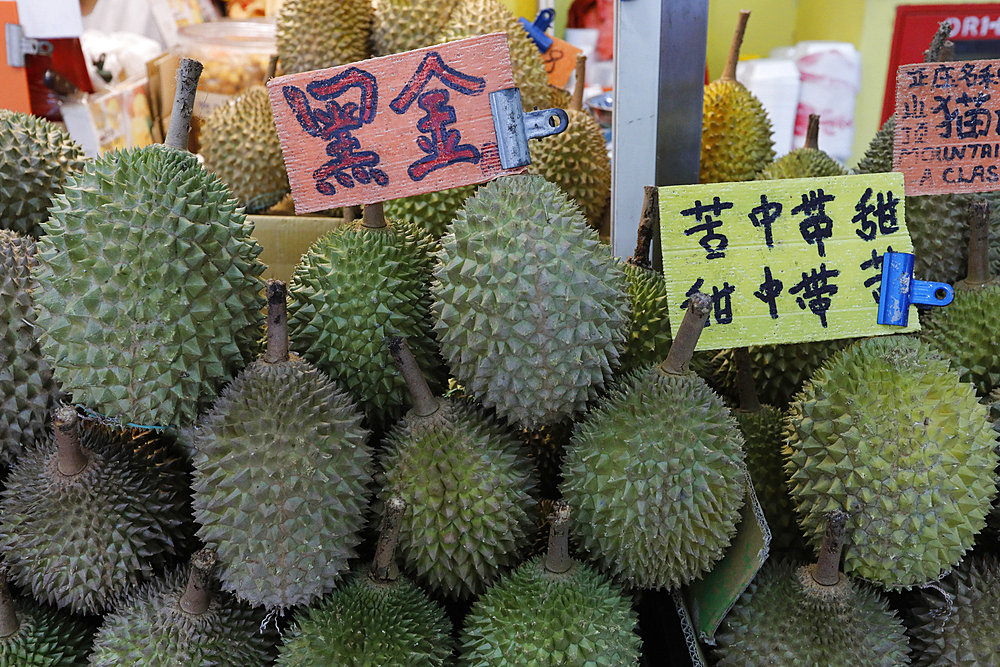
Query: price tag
point(784, 261)
point(948, 126)
point(560, 61)
point(392, 127)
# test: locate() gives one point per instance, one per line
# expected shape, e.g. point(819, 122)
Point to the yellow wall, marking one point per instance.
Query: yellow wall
point(772, 23)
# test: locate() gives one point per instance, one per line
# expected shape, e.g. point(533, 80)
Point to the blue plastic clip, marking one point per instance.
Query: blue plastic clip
point(536, 30)
point(899, 290)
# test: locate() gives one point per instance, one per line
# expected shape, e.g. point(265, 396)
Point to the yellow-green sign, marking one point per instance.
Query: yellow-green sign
point(784, 261)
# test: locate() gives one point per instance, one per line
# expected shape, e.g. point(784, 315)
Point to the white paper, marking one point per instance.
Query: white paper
point(50, 19)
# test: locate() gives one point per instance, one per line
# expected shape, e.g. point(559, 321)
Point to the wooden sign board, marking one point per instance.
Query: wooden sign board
point(560, 61)
point(784, 261)
point(948, 127)
point(394, 126)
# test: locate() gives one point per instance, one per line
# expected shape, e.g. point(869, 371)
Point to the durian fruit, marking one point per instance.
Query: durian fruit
point(886, 432)
point(281, 469)
point(240, 145)
point(736, 141)
point(183, 619)
point(27, 391)
point(148, 283)
point(954, 622)
point(656, 470)
point(481, 17)
point(37, 157)
point(559, 98)
point(806, 162)
point(355, 287)
point(433, 211)
point(577, 159)
point(405, 25)
point(552, 610)
point(467, 485)
point(316, 34)
point(808, 616)
point(34, 635)
point(377, 618)
point(532, 311)
point(966, 331)
point(86, 515)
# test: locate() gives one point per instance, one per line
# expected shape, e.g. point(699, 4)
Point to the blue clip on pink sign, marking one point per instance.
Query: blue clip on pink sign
point(899, 290)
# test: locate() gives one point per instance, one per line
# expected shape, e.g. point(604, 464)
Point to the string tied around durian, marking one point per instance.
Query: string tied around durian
point(9, 622)
point(277, 321)
point(557, 560)
point(197, 597)
point(826, 571)
point(688, 333)
point(188, 73)
point(71, 460)
point(424, 402)
point(384, 569)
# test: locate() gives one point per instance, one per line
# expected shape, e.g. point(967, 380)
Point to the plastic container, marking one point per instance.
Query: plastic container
point(775, 82)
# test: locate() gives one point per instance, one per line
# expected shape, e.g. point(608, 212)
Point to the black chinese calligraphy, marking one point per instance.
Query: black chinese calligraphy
point(875, 264)
point(878, 217)
point(764, 216)
point(816, 226)
point(815, 290)
point(769, 291)
point(722, 301)
point(713, 242)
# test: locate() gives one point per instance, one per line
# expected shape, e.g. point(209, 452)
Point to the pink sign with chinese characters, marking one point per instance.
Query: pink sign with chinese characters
point(392, 127)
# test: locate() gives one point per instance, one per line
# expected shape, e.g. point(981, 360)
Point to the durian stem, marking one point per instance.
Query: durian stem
point(9, 623)
point(374, 216)
point(384, 569)
point(272, 67)
point(688, 333)
point(812, 133)
point(198, 595)
point(729, 72)
point(576, 102)
point(745, 382)
point(351, 214)
point(70, 458)
point(648, 223)
point(424, 403)
point(827, 569)
point(979, 243)
point(277, 321)
point(188, 73)
point(557, 560)
point(935, 52)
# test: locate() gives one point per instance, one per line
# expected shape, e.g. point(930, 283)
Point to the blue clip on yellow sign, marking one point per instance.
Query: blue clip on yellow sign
point(899, 290)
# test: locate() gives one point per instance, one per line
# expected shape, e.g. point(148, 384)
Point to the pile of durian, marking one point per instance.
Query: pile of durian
point(364, 466)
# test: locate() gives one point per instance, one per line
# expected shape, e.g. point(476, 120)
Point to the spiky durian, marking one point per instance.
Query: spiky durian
point(316, 34)
point(649, 338)
point(240, 145)
point(27, 391)
point(886, 432)
point(182, 619)
point(532, 309)
point(86, 515)
point(35, 635)
point(806, 162)
point(148, 286)
point(433, 211)
point(37, 157)
point(405, 25)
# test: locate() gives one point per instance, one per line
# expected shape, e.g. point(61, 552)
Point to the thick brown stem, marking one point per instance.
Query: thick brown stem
point(934, 52)
point(729, 72)
point(9, 623)
point(188, 73)
point(277, 321)
point(745, 382)
point(424, 403)
point(576, 102)
point(272, 67)
point(198, 595)
point(384, 569)
point(688, 333)
point(827, 570)
point(374, 216)
point(979, 243)
point(557, 560)
point(648, 223)
point(70, 457)
point(812, 133)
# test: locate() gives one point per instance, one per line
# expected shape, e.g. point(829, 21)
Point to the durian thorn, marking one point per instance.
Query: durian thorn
point(277, 321)
point(272, 67)
point(729, 71)
point(688, 333)
point(745, 382)
point(979, 244)
point(812, 133)
point(935, 53)
point(827, 569)
point(424, 403)
point(198, 594)
point(576, 102)
point(70, 457)
point(188, 73)
point(558, 560)
point(373, 216)
point(9, 623)
point(649, 222)
point(384, 569)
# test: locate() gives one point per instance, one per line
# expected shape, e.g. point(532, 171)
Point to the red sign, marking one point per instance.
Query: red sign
point(560, 61)
point(13, 80)
point(392, 127)
point(948, 127)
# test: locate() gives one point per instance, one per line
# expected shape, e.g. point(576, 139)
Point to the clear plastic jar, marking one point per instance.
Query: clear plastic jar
point(235, 55)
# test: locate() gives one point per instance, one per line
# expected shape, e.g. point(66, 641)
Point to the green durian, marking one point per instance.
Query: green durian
point(552, 610)
point(87, 515)
point(355, 287)
point(736, 141)
point(34, 635)
point(532, 311)
point(37, 157)
point(183, 619)
point(27, 391)
point(148, 287)
point(886, 432)
point(240, 145)
point(433, 211)
point(405, 25)
point(806, 162)
point(316, 34)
